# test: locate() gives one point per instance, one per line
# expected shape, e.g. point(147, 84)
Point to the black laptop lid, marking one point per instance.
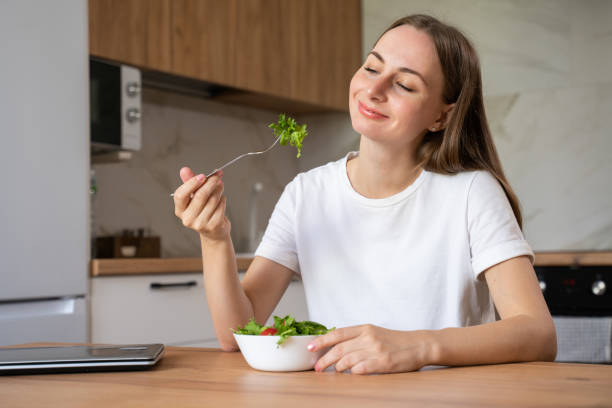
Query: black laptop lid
point(79, 358)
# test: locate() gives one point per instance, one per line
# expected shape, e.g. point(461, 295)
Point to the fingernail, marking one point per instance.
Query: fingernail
point(316, 367)
point(310, 347)
point(200, 177)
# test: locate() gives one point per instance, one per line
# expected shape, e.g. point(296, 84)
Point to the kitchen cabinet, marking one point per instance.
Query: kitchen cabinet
point(275, 53)
point(135, 32)
point(204, 40)
point(129, 309)
point(304, 50)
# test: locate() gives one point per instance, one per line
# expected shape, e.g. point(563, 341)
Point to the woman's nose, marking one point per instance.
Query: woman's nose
point(377, 89)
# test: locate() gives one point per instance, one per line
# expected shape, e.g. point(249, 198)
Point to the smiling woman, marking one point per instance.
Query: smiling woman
point(408, 246)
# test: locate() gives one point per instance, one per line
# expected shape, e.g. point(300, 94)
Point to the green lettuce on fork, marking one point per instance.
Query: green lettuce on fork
point(289, 132)
point(283, 327)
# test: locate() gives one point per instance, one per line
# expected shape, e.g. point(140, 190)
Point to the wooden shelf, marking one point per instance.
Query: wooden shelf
point(146, 266)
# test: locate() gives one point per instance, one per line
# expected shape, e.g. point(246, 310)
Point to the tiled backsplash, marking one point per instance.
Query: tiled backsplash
point(181, 131)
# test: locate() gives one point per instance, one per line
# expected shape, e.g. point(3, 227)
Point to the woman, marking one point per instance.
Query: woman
point(410, 245)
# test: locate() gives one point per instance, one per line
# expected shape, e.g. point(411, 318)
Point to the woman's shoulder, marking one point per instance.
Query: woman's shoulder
point(460, 179)
point(464, 183)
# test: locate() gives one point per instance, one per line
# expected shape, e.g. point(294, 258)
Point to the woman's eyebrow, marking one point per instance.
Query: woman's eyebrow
point(401, 69)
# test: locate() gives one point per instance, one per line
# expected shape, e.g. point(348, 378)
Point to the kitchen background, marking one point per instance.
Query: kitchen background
point(548, 95)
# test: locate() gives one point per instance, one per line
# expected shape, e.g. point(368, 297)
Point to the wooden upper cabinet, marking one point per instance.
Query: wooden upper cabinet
point(135, 32)
point(203, 39)
point(301, 51)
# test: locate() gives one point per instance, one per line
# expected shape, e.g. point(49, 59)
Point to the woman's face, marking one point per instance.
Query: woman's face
point(396, 96)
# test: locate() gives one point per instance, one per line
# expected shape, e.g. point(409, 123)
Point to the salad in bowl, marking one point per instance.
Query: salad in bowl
point(281, 347)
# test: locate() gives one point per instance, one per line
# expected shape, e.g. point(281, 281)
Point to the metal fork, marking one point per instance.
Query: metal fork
point(238, 158)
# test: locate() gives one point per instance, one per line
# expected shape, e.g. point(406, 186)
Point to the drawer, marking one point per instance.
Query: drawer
point(147, 309)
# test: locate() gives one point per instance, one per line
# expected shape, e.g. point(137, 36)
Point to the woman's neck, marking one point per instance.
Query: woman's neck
point(380, 171)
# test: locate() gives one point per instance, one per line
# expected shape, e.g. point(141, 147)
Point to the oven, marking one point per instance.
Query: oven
point(580, 302)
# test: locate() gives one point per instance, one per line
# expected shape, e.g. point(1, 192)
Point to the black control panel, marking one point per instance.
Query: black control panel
point(577, 291)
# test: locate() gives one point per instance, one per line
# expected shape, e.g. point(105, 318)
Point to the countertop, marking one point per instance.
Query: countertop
point(136, 266)
point(192, 377)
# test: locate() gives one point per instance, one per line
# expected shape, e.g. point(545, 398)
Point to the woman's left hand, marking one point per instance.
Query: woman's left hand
point(371, 349)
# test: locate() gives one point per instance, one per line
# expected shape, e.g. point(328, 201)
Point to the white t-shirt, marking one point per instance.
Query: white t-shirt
point(406, 262)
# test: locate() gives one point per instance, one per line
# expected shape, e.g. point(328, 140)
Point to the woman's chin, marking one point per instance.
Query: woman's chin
point(371, 131)
point(371, 134)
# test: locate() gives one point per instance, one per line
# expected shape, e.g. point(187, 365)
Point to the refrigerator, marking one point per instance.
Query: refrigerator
point(44, 171)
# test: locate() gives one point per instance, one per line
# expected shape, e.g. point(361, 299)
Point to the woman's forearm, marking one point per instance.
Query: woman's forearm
point(228, 304)
point(518, 338)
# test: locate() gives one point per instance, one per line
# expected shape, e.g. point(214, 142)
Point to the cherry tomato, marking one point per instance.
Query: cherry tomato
point(268, 332)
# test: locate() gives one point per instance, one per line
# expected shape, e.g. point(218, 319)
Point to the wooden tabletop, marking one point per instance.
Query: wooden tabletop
point(192, 377)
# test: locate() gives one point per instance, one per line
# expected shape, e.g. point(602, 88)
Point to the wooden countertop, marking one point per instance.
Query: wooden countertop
point(146, 266)
point(191, 377)
point(136, 266)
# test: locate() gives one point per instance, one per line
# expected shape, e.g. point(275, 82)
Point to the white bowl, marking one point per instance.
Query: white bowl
point(262, 352)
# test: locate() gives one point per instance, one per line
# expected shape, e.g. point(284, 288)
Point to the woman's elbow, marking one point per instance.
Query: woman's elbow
point(548, 341)
point(227, 344)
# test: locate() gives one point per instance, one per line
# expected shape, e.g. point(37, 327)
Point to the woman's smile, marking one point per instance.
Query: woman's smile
point(370, 112)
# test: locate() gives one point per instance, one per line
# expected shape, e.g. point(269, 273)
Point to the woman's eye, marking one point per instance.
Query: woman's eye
point(405, 88)
point(373, 71)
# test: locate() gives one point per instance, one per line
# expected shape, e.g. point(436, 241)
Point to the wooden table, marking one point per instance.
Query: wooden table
point(191, 377)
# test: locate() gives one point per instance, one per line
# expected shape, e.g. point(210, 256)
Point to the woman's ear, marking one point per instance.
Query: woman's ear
point(443, 118)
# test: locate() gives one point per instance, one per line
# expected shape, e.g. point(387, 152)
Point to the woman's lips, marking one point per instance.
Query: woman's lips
point(370, 113)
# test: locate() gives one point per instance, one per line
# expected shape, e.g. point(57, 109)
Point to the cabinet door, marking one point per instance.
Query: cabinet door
point(126, 309)
point(135, 32)
point(300, 50)
point(203, 39)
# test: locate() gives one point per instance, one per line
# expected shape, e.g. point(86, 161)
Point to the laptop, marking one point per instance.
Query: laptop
point(40, 360)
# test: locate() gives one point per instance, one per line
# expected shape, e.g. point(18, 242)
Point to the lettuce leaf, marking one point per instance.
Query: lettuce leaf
point(285, 327)
point(289, 132)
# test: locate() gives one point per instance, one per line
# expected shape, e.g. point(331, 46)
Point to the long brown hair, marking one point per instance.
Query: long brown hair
point(465, 143)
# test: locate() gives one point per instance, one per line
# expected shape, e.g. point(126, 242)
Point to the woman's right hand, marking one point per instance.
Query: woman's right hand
point(205, 211)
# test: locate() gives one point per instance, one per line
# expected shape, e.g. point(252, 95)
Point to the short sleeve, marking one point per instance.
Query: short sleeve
point(278, 243)
point(494, 233)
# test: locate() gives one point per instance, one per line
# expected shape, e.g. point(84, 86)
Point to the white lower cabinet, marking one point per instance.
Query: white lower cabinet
point(169, 309)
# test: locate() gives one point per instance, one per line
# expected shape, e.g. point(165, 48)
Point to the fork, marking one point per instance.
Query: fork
point(238, 158)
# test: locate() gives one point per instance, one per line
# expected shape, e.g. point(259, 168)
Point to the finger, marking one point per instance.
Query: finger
point(210, 222)
point(182, 195)
point(334, 337)
point(200, 199)
point(212, 203)
point(337, 353)
point(186, 173)
point(219, 214)
point(350, 360)
point(367, 366)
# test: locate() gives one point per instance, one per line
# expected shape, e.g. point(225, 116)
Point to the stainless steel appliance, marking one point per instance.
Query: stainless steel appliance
point(44, 168)
point(580, 301)
point(115, 106)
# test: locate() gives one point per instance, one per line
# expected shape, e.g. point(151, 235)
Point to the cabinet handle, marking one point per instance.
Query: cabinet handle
point(158, 285)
